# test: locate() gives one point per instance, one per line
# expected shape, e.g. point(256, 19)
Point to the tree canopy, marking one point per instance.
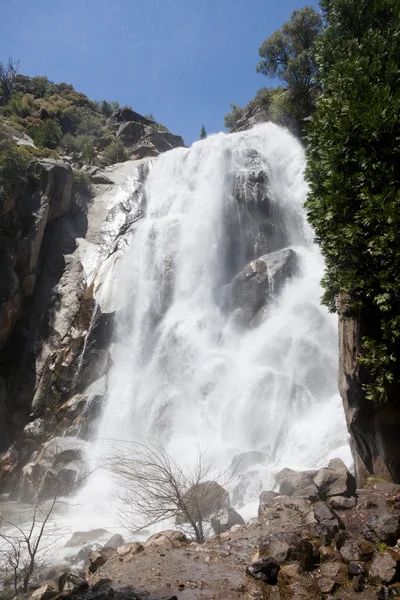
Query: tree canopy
point(354, 175)
point(289, 54)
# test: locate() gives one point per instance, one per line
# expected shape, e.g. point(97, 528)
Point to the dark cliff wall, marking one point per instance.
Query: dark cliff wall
point(374, 427)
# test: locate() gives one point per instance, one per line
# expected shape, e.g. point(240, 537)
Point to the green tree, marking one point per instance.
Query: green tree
point(203, 133)
point(115, 152)
point(47, 134)
point(233, 117)
point(354, 176)
point(289, 54)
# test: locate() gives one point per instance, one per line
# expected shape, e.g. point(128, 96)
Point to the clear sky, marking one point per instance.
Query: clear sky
point(184, 61)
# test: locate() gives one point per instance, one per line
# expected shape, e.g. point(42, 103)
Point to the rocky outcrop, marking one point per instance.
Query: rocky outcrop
point(55, 326)
point(373, 427)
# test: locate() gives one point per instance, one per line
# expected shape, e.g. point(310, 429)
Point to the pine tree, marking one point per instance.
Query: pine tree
point(203, 133)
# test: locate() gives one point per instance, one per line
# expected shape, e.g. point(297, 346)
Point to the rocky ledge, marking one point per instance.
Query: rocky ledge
point(317, 537)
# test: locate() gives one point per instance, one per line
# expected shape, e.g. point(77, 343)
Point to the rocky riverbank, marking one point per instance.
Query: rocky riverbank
point(317, 537)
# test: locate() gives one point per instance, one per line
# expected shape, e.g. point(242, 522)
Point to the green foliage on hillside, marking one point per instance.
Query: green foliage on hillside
point(56, 116)
point(354, 175)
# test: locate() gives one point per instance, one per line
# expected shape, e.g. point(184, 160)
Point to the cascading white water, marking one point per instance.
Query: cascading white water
point(186, 369)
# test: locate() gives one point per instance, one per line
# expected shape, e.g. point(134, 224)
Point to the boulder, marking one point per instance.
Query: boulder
point(265, 570)
point(115, 541)
point(329, 521)
point(335, 480)
point(355, 569)
point(350, 552)
point(168, 538)
point(130, 549)
point(383, 528)
point(80, 538)
point(249, 291)
point(98, 558)
point(130, 133)
point(225, 519)
point(288, 547)
point(385, 567)
point(282, 266)
point(47, 591)
point(204, 499)
point(342, 503)
point(292, 482)
point(69, 582)
point(246, 460)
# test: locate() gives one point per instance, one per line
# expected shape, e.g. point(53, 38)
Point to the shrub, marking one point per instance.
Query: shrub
point(47, 134)
point(115, 152)
point(233, 117)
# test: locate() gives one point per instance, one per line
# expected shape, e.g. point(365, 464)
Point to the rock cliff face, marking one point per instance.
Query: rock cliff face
point(55, 246)
point(374, 428)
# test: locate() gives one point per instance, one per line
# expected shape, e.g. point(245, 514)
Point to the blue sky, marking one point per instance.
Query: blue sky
point(184, 61)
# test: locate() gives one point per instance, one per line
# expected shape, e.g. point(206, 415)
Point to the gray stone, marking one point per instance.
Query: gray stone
point(356, 568)
point(288, 547)
point(383, 528)
point(350, 552)
point(384, 567)
point(265, 570)
point(80, 538)
point(115, 541)
point(335, 480)
point(296, 482)
point(246, 460)
point(342, 503)
point(225, 519)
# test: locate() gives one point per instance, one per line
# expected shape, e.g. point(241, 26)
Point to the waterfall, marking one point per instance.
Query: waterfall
point(221, 339)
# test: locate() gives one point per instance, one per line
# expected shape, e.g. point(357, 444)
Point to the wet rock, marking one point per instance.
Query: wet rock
point(168, 538)
point(69, 582)
point(264, 569)
point(80, 538)
point(385, 567)
point(350, 552)
point(383, 528)
point(356, 568)
point(242, 462)
point(225, 519)
point(85, 552)
point(288, 547)
point(115, 541)
point(327, 519)
point(308, 493)
point(335, 480)
point(292, 482)
point(342, 503)
point(101, 584)
point(249, 291)
point(98, 558)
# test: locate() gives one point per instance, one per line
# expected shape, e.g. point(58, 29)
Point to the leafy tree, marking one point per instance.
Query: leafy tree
point(233, 117)
point(115, 152)
point(289, 54)
point(8, 72)
point(354, 175)
point(203, 133)
point(47, 134)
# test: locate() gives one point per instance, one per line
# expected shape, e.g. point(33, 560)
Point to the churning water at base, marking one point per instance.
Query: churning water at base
point(206, 356)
